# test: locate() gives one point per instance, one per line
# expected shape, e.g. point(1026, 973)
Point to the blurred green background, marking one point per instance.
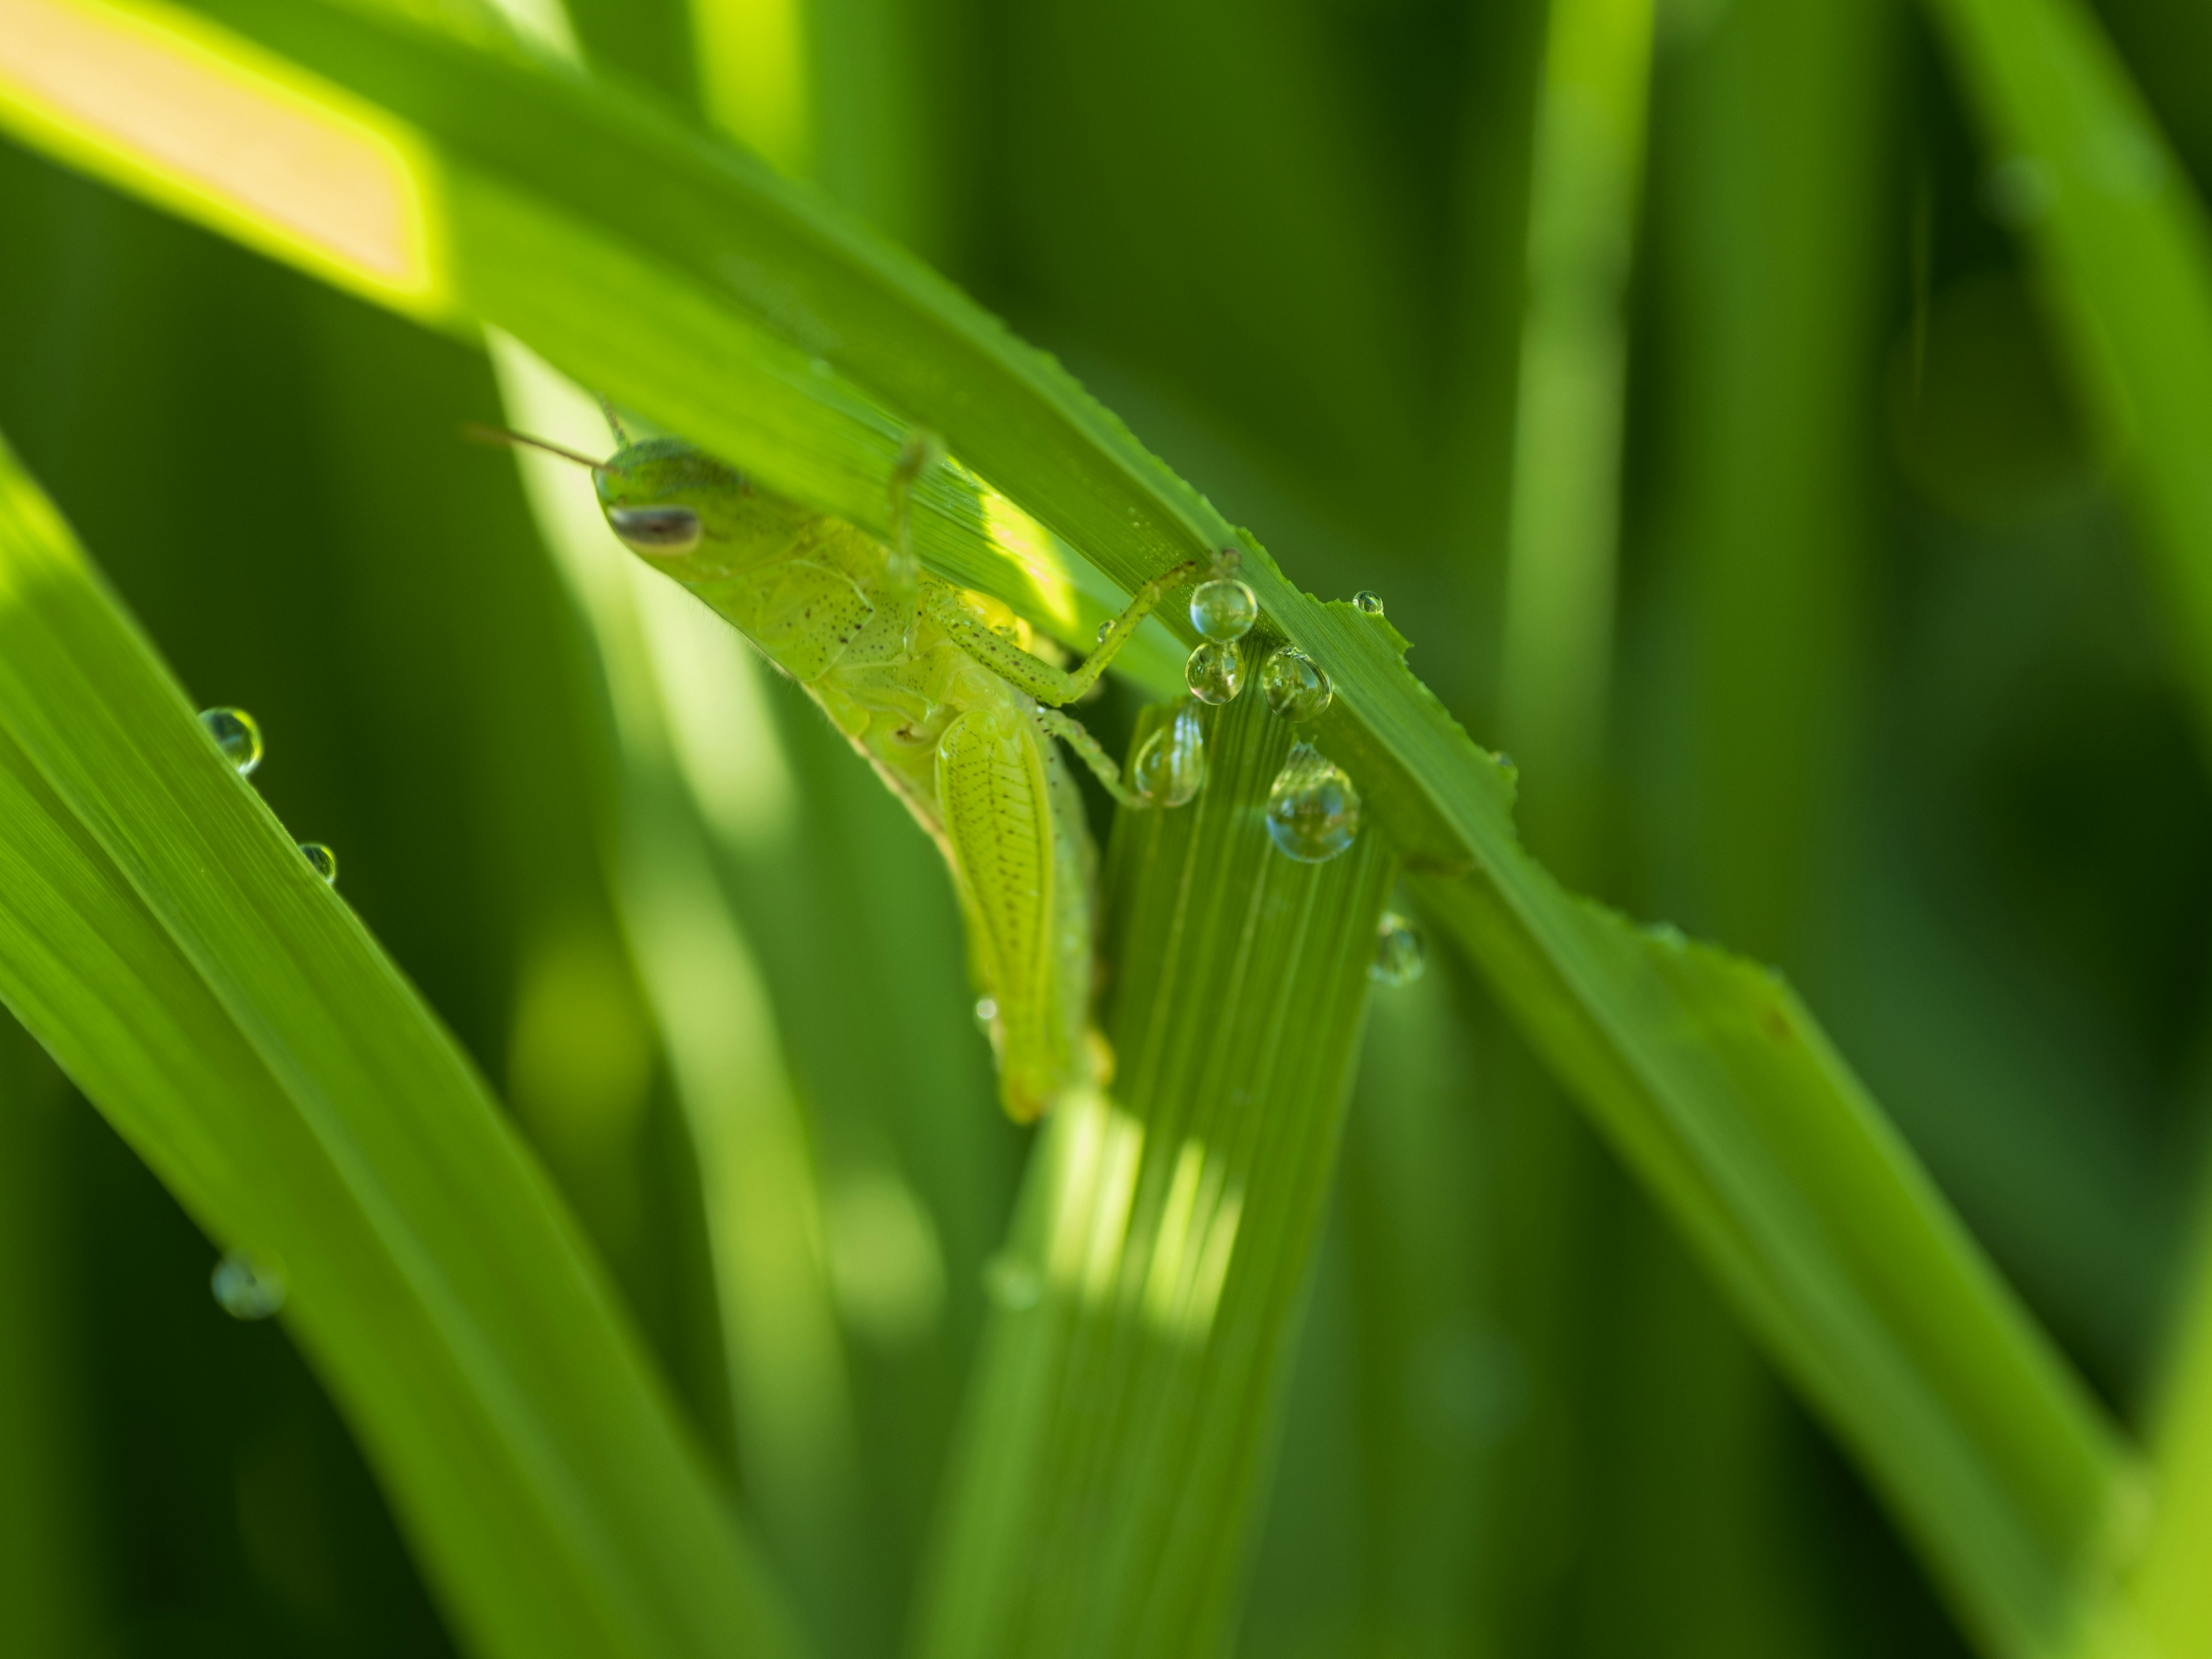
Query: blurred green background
point(1883, 697)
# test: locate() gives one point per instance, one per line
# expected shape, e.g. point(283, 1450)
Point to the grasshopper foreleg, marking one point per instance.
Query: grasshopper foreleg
point(1027, 673)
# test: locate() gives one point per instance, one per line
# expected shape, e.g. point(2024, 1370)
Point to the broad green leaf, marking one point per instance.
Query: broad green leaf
point(686, 280)
point(162, 935)
point(1127, 1397)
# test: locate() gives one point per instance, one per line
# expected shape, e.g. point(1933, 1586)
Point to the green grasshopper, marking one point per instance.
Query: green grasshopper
point(934, 684)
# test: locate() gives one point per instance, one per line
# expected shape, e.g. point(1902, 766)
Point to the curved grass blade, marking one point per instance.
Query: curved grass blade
point(161, 933)
point(688, 281)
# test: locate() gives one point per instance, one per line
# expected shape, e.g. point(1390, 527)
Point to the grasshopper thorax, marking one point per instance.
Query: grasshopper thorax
point(666, 500)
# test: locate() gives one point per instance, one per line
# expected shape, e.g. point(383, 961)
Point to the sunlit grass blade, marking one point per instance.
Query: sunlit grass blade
point(688, 281)
point(161, 933)
point(1121, 1420)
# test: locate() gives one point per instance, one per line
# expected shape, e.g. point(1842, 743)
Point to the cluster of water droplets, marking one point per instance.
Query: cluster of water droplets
point(247, 1287)
point(1223, 610)
point(1401, 957)
point(237, 738)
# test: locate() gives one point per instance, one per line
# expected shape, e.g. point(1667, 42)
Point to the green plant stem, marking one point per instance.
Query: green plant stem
point(1574, 361)
point(1122, 1418)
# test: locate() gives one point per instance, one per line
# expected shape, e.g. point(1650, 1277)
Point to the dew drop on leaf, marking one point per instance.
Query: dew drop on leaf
point(236, 734)
point(1215, 673)
point(245, 1287)
point(1400, 955)
point(1170, 769)
point(1313, 811)
point(1294, 684)
point(324, 861)
point(1369, 601)
point(1223, 609)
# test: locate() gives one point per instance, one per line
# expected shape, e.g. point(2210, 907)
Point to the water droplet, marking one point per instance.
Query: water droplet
point(1223, 609)
point(1294, 686)
point(1215, 673)
point(1369, 601)
point(235, 733)
point(1667, 936)
point(324, 861)
point(1506, 762)
point(1400, 955)
point(1170, 769)
point(1104, 628)
point(1313, 811)
point(987, 1010)
point(246, 1287)
point(1012, 1282)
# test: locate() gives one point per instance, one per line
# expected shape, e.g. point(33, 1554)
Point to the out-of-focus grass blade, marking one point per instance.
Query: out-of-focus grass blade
point(687, 280)
point(1130, 1383)
point(46, 1572)
point(2083, 171)
point(160, 932)
point(1721, 1091)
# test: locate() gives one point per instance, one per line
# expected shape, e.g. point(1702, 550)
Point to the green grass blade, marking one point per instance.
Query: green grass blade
point(47, 1572)
point(690, 282)
point(2084, 173)
point(1560, 577)
point(161, 935)
point(1719, 1090)
point(1123, 1415)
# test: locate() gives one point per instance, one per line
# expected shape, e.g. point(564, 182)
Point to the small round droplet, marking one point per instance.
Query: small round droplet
point(987, 1010)
point(1104, 628)
point(1506, 764)
point(235, 733)
point(1369, 601)
point(1012, 1284)
point(1313, 811)
point(1215, 673)
point(1294, 686)
point(1667, 936)
point(1223, 609)
point(246, 1287)
point(1400, 955)
point(321, 860)
point(1170, 769)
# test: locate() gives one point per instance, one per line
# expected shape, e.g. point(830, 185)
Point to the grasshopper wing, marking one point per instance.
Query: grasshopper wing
point(993, 791)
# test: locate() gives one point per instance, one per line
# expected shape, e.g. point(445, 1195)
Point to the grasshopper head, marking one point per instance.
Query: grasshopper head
point(666, 500)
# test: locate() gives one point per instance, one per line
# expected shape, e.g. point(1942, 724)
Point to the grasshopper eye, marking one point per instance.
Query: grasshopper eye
point(656, 531)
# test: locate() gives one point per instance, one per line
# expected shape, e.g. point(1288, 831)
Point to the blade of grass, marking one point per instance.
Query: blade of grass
point(689, 282)
point(46, 1559)
point(2083, 172)
point(161, 935)
point(2088, 178)
point(1121, 1422)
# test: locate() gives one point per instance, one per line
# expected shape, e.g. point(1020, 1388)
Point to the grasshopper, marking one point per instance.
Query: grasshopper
point(936, 687)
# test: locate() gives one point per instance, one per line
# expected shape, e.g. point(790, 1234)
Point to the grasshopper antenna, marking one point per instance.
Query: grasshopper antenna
point(476, 434)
